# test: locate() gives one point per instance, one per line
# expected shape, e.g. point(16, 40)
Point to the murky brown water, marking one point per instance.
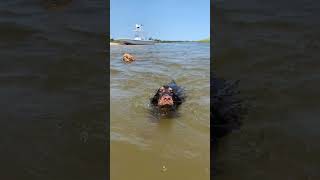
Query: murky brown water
point(53, 90)
point(141, 147)
point(272, 47)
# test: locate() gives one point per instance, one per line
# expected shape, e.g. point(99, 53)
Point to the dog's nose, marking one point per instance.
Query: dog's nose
point(167, 98)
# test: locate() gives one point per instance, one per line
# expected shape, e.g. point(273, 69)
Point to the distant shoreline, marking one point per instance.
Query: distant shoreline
point(115, 42)
point(207, 40)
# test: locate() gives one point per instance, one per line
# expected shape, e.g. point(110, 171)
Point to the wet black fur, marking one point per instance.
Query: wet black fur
point(177, 95)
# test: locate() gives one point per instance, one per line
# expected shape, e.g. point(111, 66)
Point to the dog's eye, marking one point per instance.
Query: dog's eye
point(170, 89)
point(161, 89)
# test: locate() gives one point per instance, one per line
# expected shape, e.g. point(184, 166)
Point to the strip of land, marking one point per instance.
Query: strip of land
point(114, 43)
point(207, 40)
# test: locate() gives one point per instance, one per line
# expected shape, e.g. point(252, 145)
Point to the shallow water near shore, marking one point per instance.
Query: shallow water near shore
point(141, 146)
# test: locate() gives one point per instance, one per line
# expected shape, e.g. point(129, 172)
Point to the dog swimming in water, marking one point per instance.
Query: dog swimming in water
point(168, 98)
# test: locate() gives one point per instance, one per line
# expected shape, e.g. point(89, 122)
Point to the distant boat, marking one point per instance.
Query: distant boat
point(138, 39)
point(136, 42)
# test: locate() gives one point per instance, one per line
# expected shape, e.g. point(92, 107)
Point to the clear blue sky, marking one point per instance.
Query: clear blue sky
point(162, 19)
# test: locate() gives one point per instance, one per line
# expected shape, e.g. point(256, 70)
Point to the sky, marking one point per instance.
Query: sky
point(162, 19)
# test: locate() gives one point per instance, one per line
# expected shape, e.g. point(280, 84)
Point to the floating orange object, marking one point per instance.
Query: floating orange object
point(128, 58)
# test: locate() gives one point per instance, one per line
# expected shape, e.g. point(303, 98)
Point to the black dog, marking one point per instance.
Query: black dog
point(168, 97)
point(227, 108)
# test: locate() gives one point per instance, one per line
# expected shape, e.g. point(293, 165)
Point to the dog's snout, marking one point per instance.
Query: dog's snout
point(166, 100)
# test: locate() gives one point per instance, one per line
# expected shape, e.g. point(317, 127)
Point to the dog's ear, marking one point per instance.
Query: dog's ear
point(176, 99)
point(155, 98)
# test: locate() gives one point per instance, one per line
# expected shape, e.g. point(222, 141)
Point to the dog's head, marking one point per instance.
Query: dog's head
point(165, 97)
